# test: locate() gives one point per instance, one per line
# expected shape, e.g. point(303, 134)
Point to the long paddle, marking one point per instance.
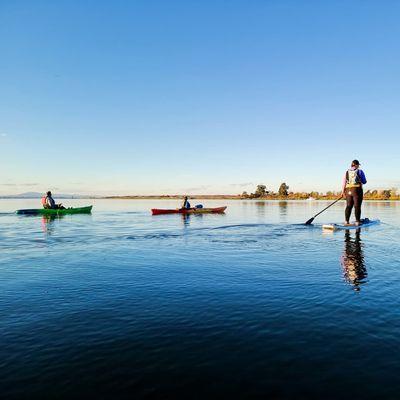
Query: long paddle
point(316, 215)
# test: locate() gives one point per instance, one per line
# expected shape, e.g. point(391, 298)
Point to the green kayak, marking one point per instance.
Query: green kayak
point(56, 211)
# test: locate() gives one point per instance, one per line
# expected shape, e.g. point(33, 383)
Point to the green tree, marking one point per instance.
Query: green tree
point(283, 189)
point(260, 191)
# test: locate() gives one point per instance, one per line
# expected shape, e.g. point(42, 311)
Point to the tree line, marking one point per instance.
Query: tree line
point(283, 192)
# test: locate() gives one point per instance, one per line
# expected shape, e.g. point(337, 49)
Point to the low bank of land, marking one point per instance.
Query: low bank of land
point(290, 196)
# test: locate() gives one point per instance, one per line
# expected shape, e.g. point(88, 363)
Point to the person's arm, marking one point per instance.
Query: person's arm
point(344, 183)
point(362, 177)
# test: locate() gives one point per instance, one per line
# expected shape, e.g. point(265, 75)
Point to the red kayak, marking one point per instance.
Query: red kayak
point(158, 211)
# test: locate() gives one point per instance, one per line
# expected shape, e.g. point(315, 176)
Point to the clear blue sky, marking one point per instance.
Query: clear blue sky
point(131, 97)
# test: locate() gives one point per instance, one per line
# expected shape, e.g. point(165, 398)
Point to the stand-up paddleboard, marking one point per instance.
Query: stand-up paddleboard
point(364, 223)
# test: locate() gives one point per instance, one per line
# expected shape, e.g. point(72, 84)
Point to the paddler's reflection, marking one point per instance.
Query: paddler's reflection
point(352, 260)
point(48, 223)
point(186, 219)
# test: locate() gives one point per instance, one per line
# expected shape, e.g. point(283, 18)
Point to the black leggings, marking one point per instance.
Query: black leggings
point(354, 197)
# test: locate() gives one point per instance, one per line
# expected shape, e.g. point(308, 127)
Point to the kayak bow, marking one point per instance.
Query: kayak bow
point(216, 210)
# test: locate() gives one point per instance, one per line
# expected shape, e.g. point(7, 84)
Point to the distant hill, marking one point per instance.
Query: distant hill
point(37, 195)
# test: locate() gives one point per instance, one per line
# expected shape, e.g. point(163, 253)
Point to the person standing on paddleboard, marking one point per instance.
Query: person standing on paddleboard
point(353, 182)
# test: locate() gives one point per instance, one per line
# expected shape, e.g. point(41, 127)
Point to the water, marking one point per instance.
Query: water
point(251, 303)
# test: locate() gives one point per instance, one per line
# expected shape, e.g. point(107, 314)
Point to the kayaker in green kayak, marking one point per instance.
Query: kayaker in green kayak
point(186, 204)
point(48, 202)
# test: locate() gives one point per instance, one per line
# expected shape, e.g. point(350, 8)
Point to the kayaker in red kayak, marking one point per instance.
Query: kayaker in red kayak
point(48, 202)
point(186, 204)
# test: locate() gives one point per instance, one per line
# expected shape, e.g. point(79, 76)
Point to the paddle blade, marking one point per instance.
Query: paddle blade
point(309, 222)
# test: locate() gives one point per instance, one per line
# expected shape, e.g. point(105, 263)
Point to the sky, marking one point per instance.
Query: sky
point(209, 97)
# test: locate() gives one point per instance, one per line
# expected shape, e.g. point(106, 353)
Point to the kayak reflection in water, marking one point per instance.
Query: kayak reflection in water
point(48, 202)
point(186, 204)
point(352, 260)
point(187, 218)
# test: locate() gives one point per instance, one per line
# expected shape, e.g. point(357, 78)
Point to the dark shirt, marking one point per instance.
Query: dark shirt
point(51, 203)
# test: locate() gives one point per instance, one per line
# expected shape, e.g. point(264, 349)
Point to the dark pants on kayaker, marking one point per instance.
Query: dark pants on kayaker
point(354, 198)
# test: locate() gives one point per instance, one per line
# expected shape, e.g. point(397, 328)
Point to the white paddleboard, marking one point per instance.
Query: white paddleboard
point(365, 223)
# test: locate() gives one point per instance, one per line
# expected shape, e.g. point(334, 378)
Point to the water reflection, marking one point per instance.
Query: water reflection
point(352, 260)
point(283, 210)
point(48, 225)
point(260, 207)
point(283, 205)
point(186, 219)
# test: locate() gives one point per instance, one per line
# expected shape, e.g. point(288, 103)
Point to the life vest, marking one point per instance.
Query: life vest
point(352, 178)
point(48, 202)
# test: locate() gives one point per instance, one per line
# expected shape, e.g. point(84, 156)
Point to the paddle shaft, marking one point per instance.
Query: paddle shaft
point(330, 205)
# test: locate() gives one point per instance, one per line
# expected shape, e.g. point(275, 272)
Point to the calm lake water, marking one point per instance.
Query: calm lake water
point(251, 303)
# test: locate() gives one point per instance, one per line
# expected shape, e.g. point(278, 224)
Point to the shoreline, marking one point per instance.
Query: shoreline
point(206, 197)
point(227, 197)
